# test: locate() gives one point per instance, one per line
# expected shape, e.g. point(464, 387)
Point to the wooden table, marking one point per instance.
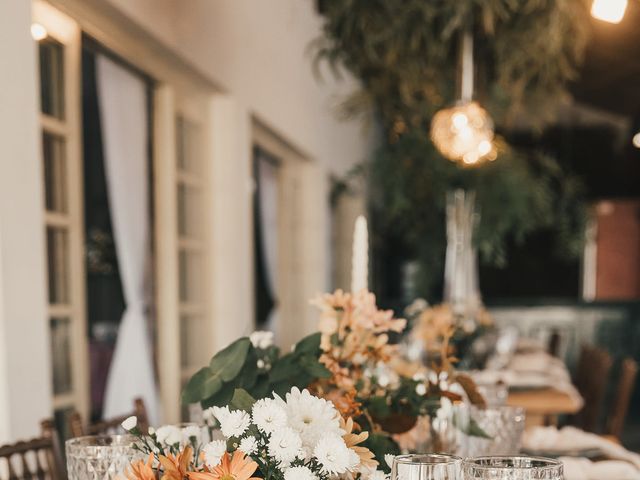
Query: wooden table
point(544, 404)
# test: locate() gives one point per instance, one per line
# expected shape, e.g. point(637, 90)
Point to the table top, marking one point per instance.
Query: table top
point(546, 401)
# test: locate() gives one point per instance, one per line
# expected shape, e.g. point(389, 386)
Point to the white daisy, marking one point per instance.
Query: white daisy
point(378, 475)
point(311, 417)
point(268, 415)
point(299, 473)
point(334, 456)
point(248, 445)
point(169, 435)
point(235, 423)
point(190, 434)
point(220, 413)
point(261, 339)
point(284, 445)
point(213, 452)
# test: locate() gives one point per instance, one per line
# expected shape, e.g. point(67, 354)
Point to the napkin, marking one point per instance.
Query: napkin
point(571, 438)
point(585, 469)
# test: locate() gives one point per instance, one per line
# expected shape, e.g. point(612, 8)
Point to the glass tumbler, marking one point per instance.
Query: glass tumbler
point(504, 427)
point(102, 457)
point(512, 468)
point(426, 466)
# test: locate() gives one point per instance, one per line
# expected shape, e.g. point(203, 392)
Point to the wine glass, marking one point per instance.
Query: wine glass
point(428, 466)
point(503, 425)
point(512, 468)
point(102, 457)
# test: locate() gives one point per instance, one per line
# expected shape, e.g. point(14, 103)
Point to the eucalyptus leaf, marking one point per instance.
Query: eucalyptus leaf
point(242, 400)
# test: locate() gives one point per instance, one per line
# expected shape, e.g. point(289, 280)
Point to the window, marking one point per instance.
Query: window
point(59, 61)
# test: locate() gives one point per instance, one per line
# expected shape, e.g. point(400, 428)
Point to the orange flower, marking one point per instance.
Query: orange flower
point(176, 467)
point(140, 470)
point(237, 468)
point(352, 440)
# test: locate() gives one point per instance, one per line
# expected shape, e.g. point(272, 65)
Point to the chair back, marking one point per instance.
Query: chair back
point(36, 459)
point(592, 380)
point(622, 399)
point(111, 425)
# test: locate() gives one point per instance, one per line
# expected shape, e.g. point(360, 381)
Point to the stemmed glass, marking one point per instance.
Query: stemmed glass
point(512, 468)
point(428, 466)
point(103, 457)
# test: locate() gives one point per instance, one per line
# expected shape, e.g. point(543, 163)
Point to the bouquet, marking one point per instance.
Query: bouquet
point(299, 437)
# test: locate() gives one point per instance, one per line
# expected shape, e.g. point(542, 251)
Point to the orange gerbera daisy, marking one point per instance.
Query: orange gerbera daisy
point(176, 467)
point(237, 468)
point(140, 470)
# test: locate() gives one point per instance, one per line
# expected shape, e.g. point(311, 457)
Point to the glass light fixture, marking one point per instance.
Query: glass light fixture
point(38, 32)
point(611, 11)
point(636, 140)
point(464, 133)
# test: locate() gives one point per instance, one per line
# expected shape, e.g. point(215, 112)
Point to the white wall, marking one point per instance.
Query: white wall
point(25, 378)
point(259, 51)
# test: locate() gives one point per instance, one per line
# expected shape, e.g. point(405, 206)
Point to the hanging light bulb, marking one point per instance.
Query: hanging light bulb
point(464, 132)
point(636, 140)
point(611, 11)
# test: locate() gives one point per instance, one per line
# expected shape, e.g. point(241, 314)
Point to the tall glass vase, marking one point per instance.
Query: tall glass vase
point(461, 289)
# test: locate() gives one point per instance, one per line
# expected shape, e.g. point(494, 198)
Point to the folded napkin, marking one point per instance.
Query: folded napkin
point(571, 438)
point(585, 469)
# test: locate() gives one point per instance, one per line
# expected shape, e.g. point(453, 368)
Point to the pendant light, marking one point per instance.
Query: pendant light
point(463, 133)
point(611, 11)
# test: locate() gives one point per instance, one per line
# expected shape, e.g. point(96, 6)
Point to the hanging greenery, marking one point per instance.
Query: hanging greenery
point(404, 52)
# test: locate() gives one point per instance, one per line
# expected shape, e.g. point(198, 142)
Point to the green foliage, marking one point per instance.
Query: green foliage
point(235, 375)
point(405, 53)
point(516, 195)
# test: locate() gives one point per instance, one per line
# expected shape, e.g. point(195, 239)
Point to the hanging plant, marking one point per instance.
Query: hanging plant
point(404, 52)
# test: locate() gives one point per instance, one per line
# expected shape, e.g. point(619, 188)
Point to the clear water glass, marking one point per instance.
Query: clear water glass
point(495, 394)
point(503, 425)
point(512, 468)
point(102, 457)
point(426, 466)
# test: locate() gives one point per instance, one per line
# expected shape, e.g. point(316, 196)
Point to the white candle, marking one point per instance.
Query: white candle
point(360, 258)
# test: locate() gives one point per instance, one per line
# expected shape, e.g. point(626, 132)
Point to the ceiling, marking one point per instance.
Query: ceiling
point(610, 76)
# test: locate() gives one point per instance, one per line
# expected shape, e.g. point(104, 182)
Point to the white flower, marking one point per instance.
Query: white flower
point(334, 456)
point(419, 376)
point(311, 417)
point(169, 435)
point(248, 445)
point(213, 452)
point(130, 423)
point(261, 339)
point(268, 415)
point(151, 431)
point(235, 423)
point(260, 363)
point(220, 413)
point(284, 445)
point(378, 475)
point(388, 458)
point(209, 416)
point(421, 389)
point(299, 473)
point(191, 432)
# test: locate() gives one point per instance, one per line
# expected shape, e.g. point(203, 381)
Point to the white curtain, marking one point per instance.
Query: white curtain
point(122, 100)
point(268, 189)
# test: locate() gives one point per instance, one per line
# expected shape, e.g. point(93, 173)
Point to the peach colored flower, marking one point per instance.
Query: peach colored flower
point(140, 470)
point(176, 467)
point(240, 467)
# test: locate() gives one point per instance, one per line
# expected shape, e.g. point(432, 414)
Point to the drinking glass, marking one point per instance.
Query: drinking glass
point(504, 427)
point(512, 468)
point(102, 457)
point(428, 466)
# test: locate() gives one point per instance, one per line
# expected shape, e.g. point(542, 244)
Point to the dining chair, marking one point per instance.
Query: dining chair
point(109, 426)
point(39, 458)
point(622, 398)
point(592, 379)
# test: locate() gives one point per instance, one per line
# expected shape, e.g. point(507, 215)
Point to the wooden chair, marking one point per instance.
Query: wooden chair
point(592, 380)
point(109, 426)
point(620, 405)
point(39, 458)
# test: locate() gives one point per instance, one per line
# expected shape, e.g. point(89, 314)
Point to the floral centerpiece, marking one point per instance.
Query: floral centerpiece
point(299, 437)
